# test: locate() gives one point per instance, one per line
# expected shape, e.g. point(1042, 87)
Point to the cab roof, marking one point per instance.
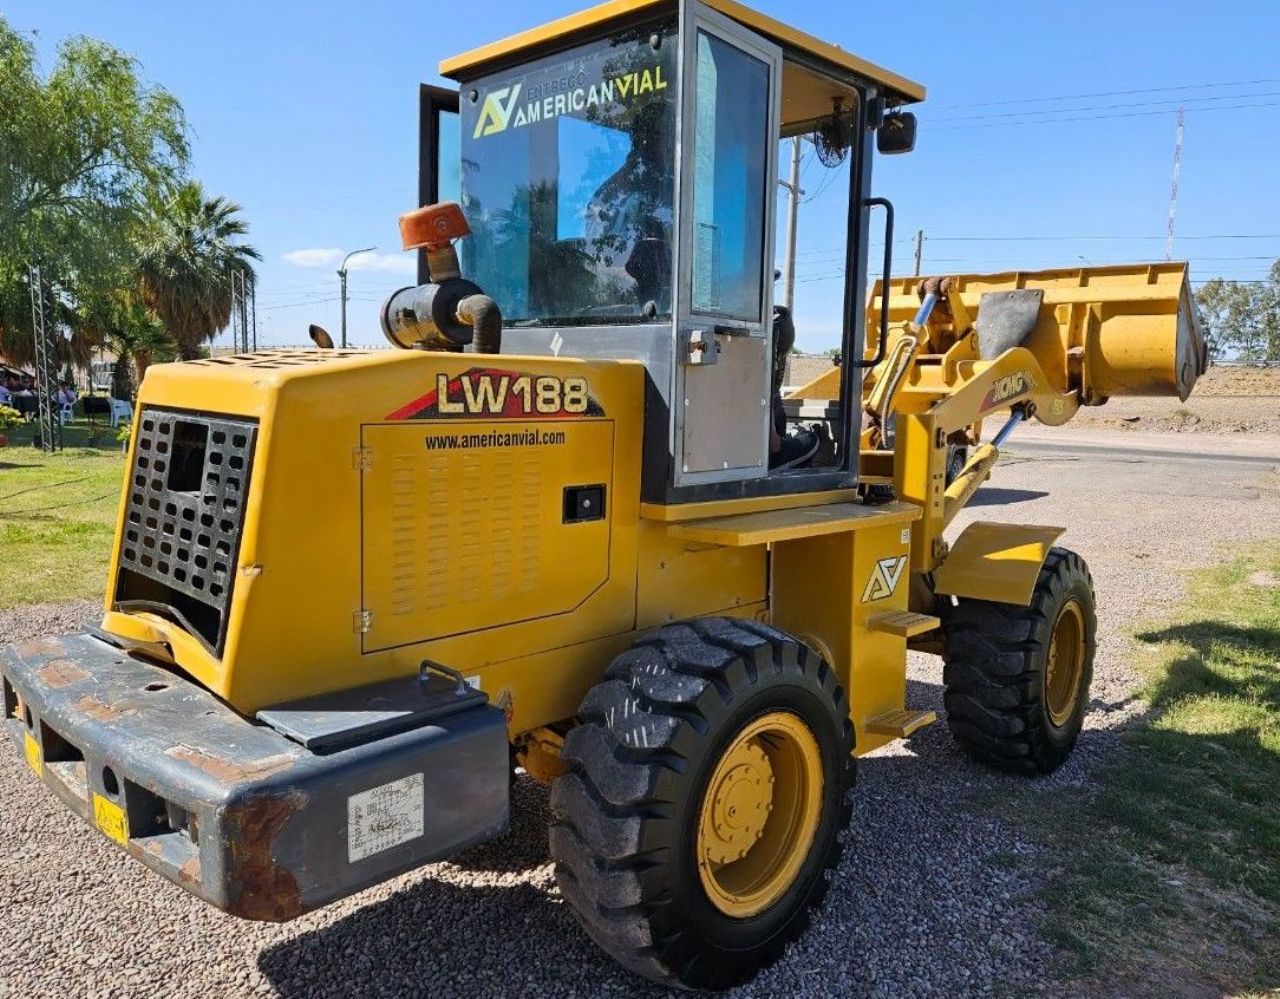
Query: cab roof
point(537, 41)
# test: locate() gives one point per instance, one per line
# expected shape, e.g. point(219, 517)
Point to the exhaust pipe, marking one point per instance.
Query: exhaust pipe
point(448, 312)
point(485, 317)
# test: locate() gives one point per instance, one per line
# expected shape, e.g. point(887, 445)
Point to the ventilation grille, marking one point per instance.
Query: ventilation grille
point(183, 517)
point(279, 358)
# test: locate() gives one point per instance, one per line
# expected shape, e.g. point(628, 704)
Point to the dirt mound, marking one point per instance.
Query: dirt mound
point(1226, 400)
point(1231, 380)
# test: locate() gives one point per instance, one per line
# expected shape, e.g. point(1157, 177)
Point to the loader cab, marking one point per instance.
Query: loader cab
point(619, 171)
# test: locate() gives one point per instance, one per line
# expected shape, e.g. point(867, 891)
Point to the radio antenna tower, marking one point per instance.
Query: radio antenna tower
point(1173, 191)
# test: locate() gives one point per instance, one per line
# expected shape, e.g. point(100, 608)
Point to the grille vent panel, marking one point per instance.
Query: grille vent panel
point(184, 514)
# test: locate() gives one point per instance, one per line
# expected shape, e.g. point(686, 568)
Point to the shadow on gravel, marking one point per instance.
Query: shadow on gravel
point(919, 875)
point(997, 496)
point(435, 938)
point(1119, 704)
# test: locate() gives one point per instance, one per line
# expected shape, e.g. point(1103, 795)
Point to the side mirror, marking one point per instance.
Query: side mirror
point(897, 133)
point(320, 337)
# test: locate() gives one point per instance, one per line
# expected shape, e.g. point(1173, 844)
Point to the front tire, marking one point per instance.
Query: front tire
point(1017, 678)
point(707, 786)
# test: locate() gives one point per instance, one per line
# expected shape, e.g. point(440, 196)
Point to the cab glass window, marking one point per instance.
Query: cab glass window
point(568, 182)
point(731, 125)
point(449, 157)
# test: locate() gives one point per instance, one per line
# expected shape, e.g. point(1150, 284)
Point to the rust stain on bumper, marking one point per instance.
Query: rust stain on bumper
point(59, 673)
point(95, 709)
point(267, 891)
point(190, 872)
point(232, 771)
point(38, 647)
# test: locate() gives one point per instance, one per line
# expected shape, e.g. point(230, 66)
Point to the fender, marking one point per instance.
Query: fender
point(998, 562)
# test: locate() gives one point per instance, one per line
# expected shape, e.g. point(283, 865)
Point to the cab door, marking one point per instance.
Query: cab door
point(728, 169)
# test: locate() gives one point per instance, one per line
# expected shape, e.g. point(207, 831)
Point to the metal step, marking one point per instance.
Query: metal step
point(904, 624)
point(901, 724)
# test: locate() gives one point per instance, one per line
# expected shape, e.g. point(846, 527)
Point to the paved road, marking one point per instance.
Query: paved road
point(1200, 448)
point(1148, 464)
point(926, 901)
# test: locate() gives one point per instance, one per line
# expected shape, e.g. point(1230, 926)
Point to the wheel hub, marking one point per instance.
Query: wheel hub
point(1064, 664)
point(741, 802)
point(760, 814)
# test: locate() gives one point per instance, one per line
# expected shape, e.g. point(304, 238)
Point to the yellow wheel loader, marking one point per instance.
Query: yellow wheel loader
point(573, 520)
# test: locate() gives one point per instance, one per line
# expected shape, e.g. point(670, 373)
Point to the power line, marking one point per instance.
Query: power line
point(1099, 117)
point(1108, 93)
point(1168, 105)
point(1080, 239)
point(298, 305)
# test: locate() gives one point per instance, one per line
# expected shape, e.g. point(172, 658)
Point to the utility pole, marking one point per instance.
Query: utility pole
point(919, 249)
point(342, 274)
point(792, 187)
point(1173, 192)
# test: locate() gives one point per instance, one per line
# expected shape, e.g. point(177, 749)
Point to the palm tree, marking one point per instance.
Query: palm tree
point(187, 261)
point(122, 322)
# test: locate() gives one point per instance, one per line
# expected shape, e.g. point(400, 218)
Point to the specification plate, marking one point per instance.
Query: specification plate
point(383, 817)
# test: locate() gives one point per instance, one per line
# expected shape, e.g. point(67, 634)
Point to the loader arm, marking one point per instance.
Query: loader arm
point(1010, 348)
point(1014, 383)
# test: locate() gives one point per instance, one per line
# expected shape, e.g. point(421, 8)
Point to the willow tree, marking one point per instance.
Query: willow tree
point(85, 152)
point(189, 255)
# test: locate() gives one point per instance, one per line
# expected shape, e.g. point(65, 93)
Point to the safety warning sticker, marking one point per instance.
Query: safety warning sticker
point(383, 817)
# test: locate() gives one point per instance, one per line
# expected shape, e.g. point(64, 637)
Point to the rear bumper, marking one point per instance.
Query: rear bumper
point(232, 810)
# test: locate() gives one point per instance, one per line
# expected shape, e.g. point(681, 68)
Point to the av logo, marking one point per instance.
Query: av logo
point(884, 578)
point(495, 115)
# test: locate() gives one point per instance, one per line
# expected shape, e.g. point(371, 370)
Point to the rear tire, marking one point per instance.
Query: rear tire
point(957, 458)
point(645, 846)
point(1017, 678)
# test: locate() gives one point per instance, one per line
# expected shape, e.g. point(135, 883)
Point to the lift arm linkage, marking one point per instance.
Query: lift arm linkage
point(1013, 382)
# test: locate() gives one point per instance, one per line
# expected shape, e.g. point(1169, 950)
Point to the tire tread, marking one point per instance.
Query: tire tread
point(992, 672)
point(612, 810)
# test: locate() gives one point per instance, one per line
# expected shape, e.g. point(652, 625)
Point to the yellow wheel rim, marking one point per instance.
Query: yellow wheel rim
point(1065, 665)
point(759, 814)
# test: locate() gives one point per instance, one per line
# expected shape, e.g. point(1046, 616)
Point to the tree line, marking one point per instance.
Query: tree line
point(1241, 319)
point(94, 188)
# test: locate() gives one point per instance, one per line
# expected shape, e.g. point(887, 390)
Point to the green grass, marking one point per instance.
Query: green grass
point(57, 521)
point(1169, 868)
point(79, 433)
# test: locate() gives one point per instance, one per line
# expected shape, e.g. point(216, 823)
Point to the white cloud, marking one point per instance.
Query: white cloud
point(314, 258)
point(394, 263)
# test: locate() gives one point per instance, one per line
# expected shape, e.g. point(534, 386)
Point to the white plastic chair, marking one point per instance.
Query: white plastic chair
point(66, 413)
point(120, 410)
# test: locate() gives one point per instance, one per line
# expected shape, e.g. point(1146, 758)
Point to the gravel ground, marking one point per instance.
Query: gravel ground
point(926, 901)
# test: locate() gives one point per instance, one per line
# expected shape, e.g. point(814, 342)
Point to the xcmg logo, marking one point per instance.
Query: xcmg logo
point(1005, 388)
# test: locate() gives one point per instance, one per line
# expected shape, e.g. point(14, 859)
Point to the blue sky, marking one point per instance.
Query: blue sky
point(306, 114)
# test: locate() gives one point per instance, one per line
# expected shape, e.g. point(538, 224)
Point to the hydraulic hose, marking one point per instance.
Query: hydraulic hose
point(485, 318)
